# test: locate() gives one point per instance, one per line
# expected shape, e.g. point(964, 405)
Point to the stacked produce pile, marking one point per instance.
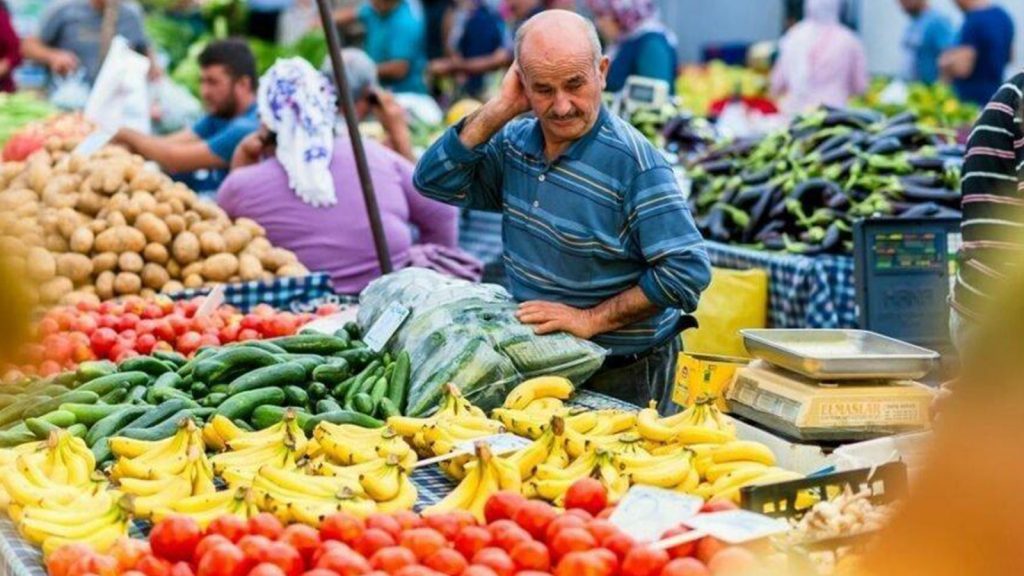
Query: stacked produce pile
point(60, 132)
point(699, 87)
point(19, 109)
point(515, 537)
point(800, 189)
point(935, 104)
point(90, 229)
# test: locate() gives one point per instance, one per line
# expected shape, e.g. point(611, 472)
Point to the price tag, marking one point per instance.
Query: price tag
point(212, 301)
point(737, 526)
point(334, 322)
point(377, 337)
point(646, 512)
point(93, 142)
point(498, 443)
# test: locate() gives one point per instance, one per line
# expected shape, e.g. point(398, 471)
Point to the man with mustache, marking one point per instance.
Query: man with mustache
point(598, 240)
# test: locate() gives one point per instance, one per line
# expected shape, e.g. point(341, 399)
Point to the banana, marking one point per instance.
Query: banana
point(769, 476)
point(488, 485)
point(404, 500)
point(408, 426)
point(149, 487)
point(692, 434)
point(143, 506)
point(743, 450)
point(80, 510)
point(200, 503)
point(461, 496)
point(545, 407)
point(650, 426)
point(383, 483)
point(736, 478)
point(508, 474)
point(550, 489)
point(37, 531)
point(534, 388)
point(226, 429)
point(123, 447)
point(690, 483)
point(582, 422)
point(716, 471)
point(101, 540)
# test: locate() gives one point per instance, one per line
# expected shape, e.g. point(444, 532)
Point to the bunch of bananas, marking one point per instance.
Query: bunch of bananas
point(279, 446)
point(726, 468)
point(346, 444)
point(485, 475)
point(154, 475)
point(53, 498)
point(205, 508)
point(298, 496)
point(702, 423)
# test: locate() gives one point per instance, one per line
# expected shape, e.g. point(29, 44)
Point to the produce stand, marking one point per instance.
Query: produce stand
point(280, 293)
point(803, 291)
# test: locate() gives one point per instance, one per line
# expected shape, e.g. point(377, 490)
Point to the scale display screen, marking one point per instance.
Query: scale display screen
point(905, 251)
point(641, 93)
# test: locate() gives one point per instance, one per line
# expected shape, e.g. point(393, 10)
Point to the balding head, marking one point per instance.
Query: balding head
point(558, 32)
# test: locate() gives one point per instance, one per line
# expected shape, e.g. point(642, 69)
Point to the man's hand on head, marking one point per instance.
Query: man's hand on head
point(550, 317)
point(512, 97)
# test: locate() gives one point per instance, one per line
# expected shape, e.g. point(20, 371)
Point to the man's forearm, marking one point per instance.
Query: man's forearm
point(483, 124)
point(627, 308)
point(393, 70)
point(33, 49)
point(484, 64)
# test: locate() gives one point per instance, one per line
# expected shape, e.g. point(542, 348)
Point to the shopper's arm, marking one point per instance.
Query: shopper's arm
point(393, 69)
point(497, 60)
point(958, 62)
point(392, 118)
point(172, 157)
point(627, 308)
point(345, 16)
point(59, 62)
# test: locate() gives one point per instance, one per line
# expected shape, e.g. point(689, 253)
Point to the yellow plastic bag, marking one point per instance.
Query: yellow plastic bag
point(700, 376)
point(736, 299)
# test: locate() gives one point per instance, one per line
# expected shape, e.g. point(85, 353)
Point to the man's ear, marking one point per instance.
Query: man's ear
point(602, 67)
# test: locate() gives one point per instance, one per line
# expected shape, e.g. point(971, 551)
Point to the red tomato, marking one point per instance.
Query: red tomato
point(620, 544)
point(82, 353)
point(534, 516)
point(718, 506)
point(127, 322)
point(582, 564)
point(587, 494)
point(102, 340)
point(384, 522)
point(472, 539)
point(145, 344)
point(49, 368)
point(65, 318)
point(255, 546)
point(344, 561)
point(502, 505)
point(325, 572)
point(163, 330)
point(175, 538)
point(371, 540)
point(189, 307)
point(264, 310)
point(208, 542)
point(447, 524)
point(327, 309)
point(181, 569)
point(266, 569)
point(86, 324)
point(87, 306)
point(581, 514)
point(305, 539)
point(408, 519)
point(152, 566)
point(644, 561)
point(342, 526)
point(392, 559)
point(179, 323)
point(250, 322)
point(229, 333)
point(685, 567)
point(188, 342)
point(229, 526)
point(128, 551)
point(423, 541)
point(325, 547)
point(531, 555)
point(682, 550)
point(606, 513)
point(209, 340)
point(562, 522)
point(733, 561)
point(532, 573)
point(109, 307)
point(265, 524)
point(479, 570)
point(446, 561)
point(152, 311)
point(117, 354)
point(57, 564)
point(507, 534)
point(571, 540)
point(417, 570)
point(708, 548)
point(284, 557)
point(601, 529)
point(93, 564)
point(496, 559)
point(223, 560)
point(145, 326)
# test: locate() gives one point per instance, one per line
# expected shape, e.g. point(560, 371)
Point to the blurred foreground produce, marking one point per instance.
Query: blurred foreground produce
point(935, 104)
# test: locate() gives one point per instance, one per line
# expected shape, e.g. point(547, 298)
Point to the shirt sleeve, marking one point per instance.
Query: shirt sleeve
point(660, 223)
point(940, 34)
point(990, 164)
point(408, 43)
point(134, 29)
point(223, 144)
point(654, 60)
point(50, 24)
point(227, 194)
point(971, 34)
point(453, 174)
point(437, 222)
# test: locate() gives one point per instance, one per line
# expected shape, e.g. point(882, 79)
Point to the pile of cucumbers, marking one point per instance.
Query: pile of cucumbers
point(324, 377)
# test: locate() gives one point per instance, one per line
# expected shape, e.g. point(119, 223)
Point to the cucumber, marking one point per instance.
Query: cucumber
point(51, 404)
point(316, 390)
point(173, 357)
point(160, 413)
point(198, 390)
point(309, 361)
point(341, 334)
point(311, 344)
point(278, 375)
point(43, 425)
point(327, 405)
point(105, 384)
point(386, 409)
point(363, 403)
point(213, 400)
point(90, 414)
point(219, 389)
point(91, 370)
point(137, 395)
point(341, 390)
point(168, 380)
point(7, 399)
point(398, 385)
point(241, 405)
point(115, 396)
point(110, 425)
point(164, 429)
point(161, 395)
point(78, 430)
point(245, 425)
point(187, 368)
point(340, 417)
point(266, 416)
point(357, 386)
point(15, 411)
point(295, 396)
point(224, 366)
point(379, 389)
point(148, 364)
point(50, 390)
point(101, 451)
point(66, 379)
point(354, 331)
point(16, 436)
point(357, 358)
point(333, 373)
point(263, 345)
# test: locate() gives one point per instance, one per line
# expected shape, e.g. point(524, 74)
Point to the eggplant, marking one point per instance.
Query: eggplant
point(775, 242)
point(905, 133)
point(759, 213)
point(905, 117)
point(772, 228)
point(748, 196)
point(885, 146)
point(923, 194)
point(716, 224)
point(830, 242)
point(930, 210)
point(840, 154)
point(757, 176)
point(719, 167)
point(934, 163)
point(838, 202)
point(928, 179)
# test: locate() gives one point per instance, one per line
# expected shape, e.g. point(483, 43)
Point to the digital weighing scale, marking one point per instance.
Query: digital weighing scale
point(641, 93)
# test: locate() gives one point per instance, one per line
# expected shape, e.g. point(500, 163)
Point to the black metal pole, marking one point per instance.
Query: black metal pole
point(348, 109)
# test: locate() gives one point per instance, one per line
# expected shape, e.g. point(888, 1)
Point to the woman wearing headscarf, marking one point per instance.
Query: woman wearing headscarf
point(297, 179)
point(637, 42)
point(821, 62)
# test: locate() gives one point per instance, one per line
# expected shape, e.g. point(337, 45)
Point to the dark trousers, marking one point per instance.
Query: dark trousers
point(642, 378)
point(264, 25)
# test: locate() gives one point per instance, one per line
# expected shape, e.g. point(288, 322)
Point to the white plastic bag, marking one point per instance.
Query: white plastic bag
point(120, 97)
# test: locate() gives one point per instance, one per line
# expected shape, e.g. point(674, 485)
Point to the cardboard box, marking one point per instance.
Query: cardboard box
point(700, 375)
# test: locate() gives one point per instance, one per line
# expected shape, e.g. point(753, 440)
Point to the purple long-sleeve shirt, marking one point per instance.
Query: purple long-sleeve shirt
point(337, 239)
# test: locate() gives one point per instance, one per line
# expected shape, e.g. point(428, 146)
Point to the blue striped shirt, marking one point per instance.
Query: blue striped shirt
point(604, 217)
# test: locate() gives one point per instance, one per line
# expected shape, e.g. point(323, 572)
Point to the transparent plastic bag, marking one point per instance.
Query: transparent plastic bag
point(467, 334)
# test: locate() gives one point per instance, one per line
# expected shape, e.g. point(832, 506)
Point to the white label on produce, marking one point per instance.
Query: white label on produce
point(377, 337)
point(498, 443)
point(737, 526)
point(334, 322)
point(646, 512)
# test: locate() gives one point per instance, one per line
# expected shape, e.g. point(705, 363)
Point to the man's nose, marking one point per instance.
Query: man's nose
point(563, 105)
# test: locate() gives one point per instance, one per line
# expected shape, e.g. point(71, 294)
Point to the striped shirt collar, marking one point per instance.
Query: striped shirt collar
point(533, 145)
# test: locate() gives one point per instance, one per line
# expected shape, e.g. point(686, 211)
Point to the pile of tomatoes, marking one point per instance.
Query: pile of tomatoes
point(115, 330)
point(521, 538)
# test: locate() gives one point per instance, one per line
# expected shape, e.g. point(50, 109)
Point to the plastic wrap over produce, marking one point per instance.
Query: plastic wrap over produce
point(468, 334)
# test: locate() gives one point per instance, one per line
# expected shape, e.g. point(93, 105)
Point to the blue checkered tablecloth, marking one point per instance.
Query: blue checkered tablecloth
point(19, 558)
point(803, 291)
point(283, 293)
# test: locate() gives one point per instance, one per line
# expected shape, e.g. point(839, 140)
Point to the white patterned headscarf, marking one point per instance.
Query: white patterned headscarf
point(298, 104)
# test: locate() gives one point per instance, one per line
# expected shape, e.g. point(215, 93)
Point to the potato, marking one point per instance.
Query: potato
point(154, 276)
point(147, 293)
point(172, 287)
point(193, 281)
point(116, 218)
point(74, 267)
point(130, 262)
point(185, 248)
point(257, 246)
point(177, 206)
point(200, 228)
point(220, 267)
point(153, 228)
point(39, 173)
point(162, 211)
point(276, 258)
point(156, 253)
point(212, 243)
point(236, 239)
point(175, 223)
point(191, 218)
point(56, 243)
point(68, 221)
point(97, 226)
point(104, 262)
point(209, 211)
point(77, 297)
point(254, 229)
point(120, 239)
point(42, 266)
point(267, 276)
point(249, 267)
point(174, 270)
point(193, 268)
point(294, 269)
point(127, 283)
point(55, 289)
point(148, 180)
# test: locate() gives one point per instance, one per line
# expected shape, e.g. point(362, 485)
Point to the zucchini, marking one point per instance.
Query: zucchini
point(362, 402)
point(333, 373)
point(51, 404)
point(148, 364)
point(172, 357)
point(386, 409)
point(327, 405)
point(91, 370)
point(90, 414)
point(311, 344)
point(78, 430)
point(295, 396)
point(242, 405)
point(398, 385)
point(278, 375)
point(105, 384)
point(112, 424)
point(224, 366)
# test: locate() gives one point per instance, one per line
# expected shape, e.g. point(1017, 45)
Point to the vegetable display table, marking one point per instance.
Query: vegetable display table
point(280, 293)
point(803, 291)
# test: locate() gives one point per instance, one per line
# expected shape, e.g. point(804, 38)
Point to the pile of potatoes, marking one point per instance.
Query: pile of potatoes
point(105, 226)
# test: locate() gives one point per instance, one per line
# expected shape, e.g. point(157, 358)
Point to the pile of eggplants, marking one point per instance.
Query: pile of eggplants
point(799, 190)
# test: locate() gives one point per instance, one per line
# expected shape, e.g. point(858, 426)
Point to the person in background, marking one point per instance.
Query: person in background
point(821, 62)
point(926, 38)
point(70, 35)
point(435, 12)
point(265, 18)
point(10, 50)
point(476, 46)
point(520, 11)
point(297, 180)
point(599, 242)
point(200, 156)
point(983, 50)
point(638, 44)
point(395, 40)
